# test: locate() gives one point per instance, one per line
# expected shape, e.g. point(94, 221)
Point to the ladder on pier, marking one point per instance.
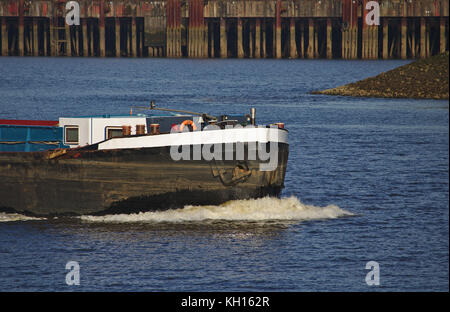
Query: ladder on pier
point(60, 41)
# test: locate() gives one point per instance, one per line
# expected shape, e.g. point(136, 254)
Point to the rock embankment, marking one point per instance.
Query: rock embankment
point(422, 79)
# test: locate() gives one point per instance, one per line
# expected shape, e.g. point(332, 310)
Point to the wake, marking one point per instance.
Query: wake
point(262, 209)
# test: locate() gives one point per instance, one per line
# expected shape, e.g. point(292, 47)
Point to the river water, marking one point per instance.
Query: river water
point(367, 180)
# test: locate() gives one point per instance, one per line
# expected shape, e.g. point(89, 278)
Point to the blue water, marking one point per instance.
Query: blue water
point(381, 165)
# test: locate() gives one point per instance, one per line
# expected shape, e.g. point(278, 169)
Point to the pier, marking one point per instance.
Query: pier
point(310, 29)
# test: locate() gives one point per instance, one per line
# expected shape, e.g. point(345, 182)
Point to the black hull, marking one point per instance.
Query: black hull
point(91, 181)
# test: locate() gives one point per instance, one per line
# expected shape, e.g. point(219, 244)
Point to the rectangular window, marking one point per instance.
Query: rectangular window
point(72, 136)
point(113, 132)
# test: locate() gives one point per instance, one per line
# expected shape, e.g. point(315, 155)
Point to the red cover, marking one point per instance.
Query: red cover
point(28, 122)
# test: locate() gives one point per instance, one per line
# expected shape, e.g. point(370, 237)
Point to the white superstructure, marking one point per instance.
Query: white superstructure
point(81, 131)
point(108, 132)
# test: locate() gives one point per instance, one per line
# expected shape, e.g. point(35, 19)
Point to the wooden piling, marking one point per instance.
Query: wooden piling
point(365, 39)
point(85, 37)
point(223, 38)
point(257, 38)
point(4, 37)
point(117, 36)
point(35, 38)
point(102, 30)
point(195, 36)
point(354, 43)
point(302, 40)
point(427, 40)
point(21, 29)
point(316, 40)
point(45, 40)
point(77, 40)
point(413, 39)
point(250, 39)
point(344, 45)
point(350, 30)
point(293, 43)
point(177, 28)
point(204, 37)
point(32, 32)
point(26, 37)
point(172, 31)
point(211, 29)
point(197, 30)
point(354, 30)
point(199, 48)
point(423, 52)
point(344, 31)
point(68, 42)
point(366, 35)
point(404, 29)
point(394, 46)
point(310, 51)
point(375, 46)
point(264, 39)
point(240, 38)
point(190, 29)
point(133, 37)
point(203, 32)
point(278, 28)
point(443, 38)
point(274, 39)
point(196, 41)
point(169, 28)
point(91, 39)
point(12, 46)
point(52, 34)
point(372, 41)
point(385, 39)
point(329, 39)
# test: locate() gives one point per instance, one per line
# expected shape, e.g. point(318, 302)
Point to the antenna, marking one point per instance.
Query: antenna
point(153, 106)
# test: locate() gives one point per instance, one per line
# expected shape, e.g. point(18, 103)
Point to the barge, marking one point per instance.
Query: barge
point(139, 162)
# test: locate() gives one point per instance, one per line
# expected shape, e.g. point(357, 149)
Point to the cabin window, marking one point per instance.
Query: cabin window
point(72, 136)
point(113, 132)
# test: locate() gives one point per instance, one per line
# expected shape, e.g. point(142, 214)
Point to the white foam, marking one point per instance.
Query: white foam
point(8, 217)
point(263, 209)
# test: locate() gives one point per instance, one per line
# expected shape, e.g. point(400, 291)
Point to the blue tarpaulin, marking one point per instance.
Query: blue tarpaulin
point(17, 138)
